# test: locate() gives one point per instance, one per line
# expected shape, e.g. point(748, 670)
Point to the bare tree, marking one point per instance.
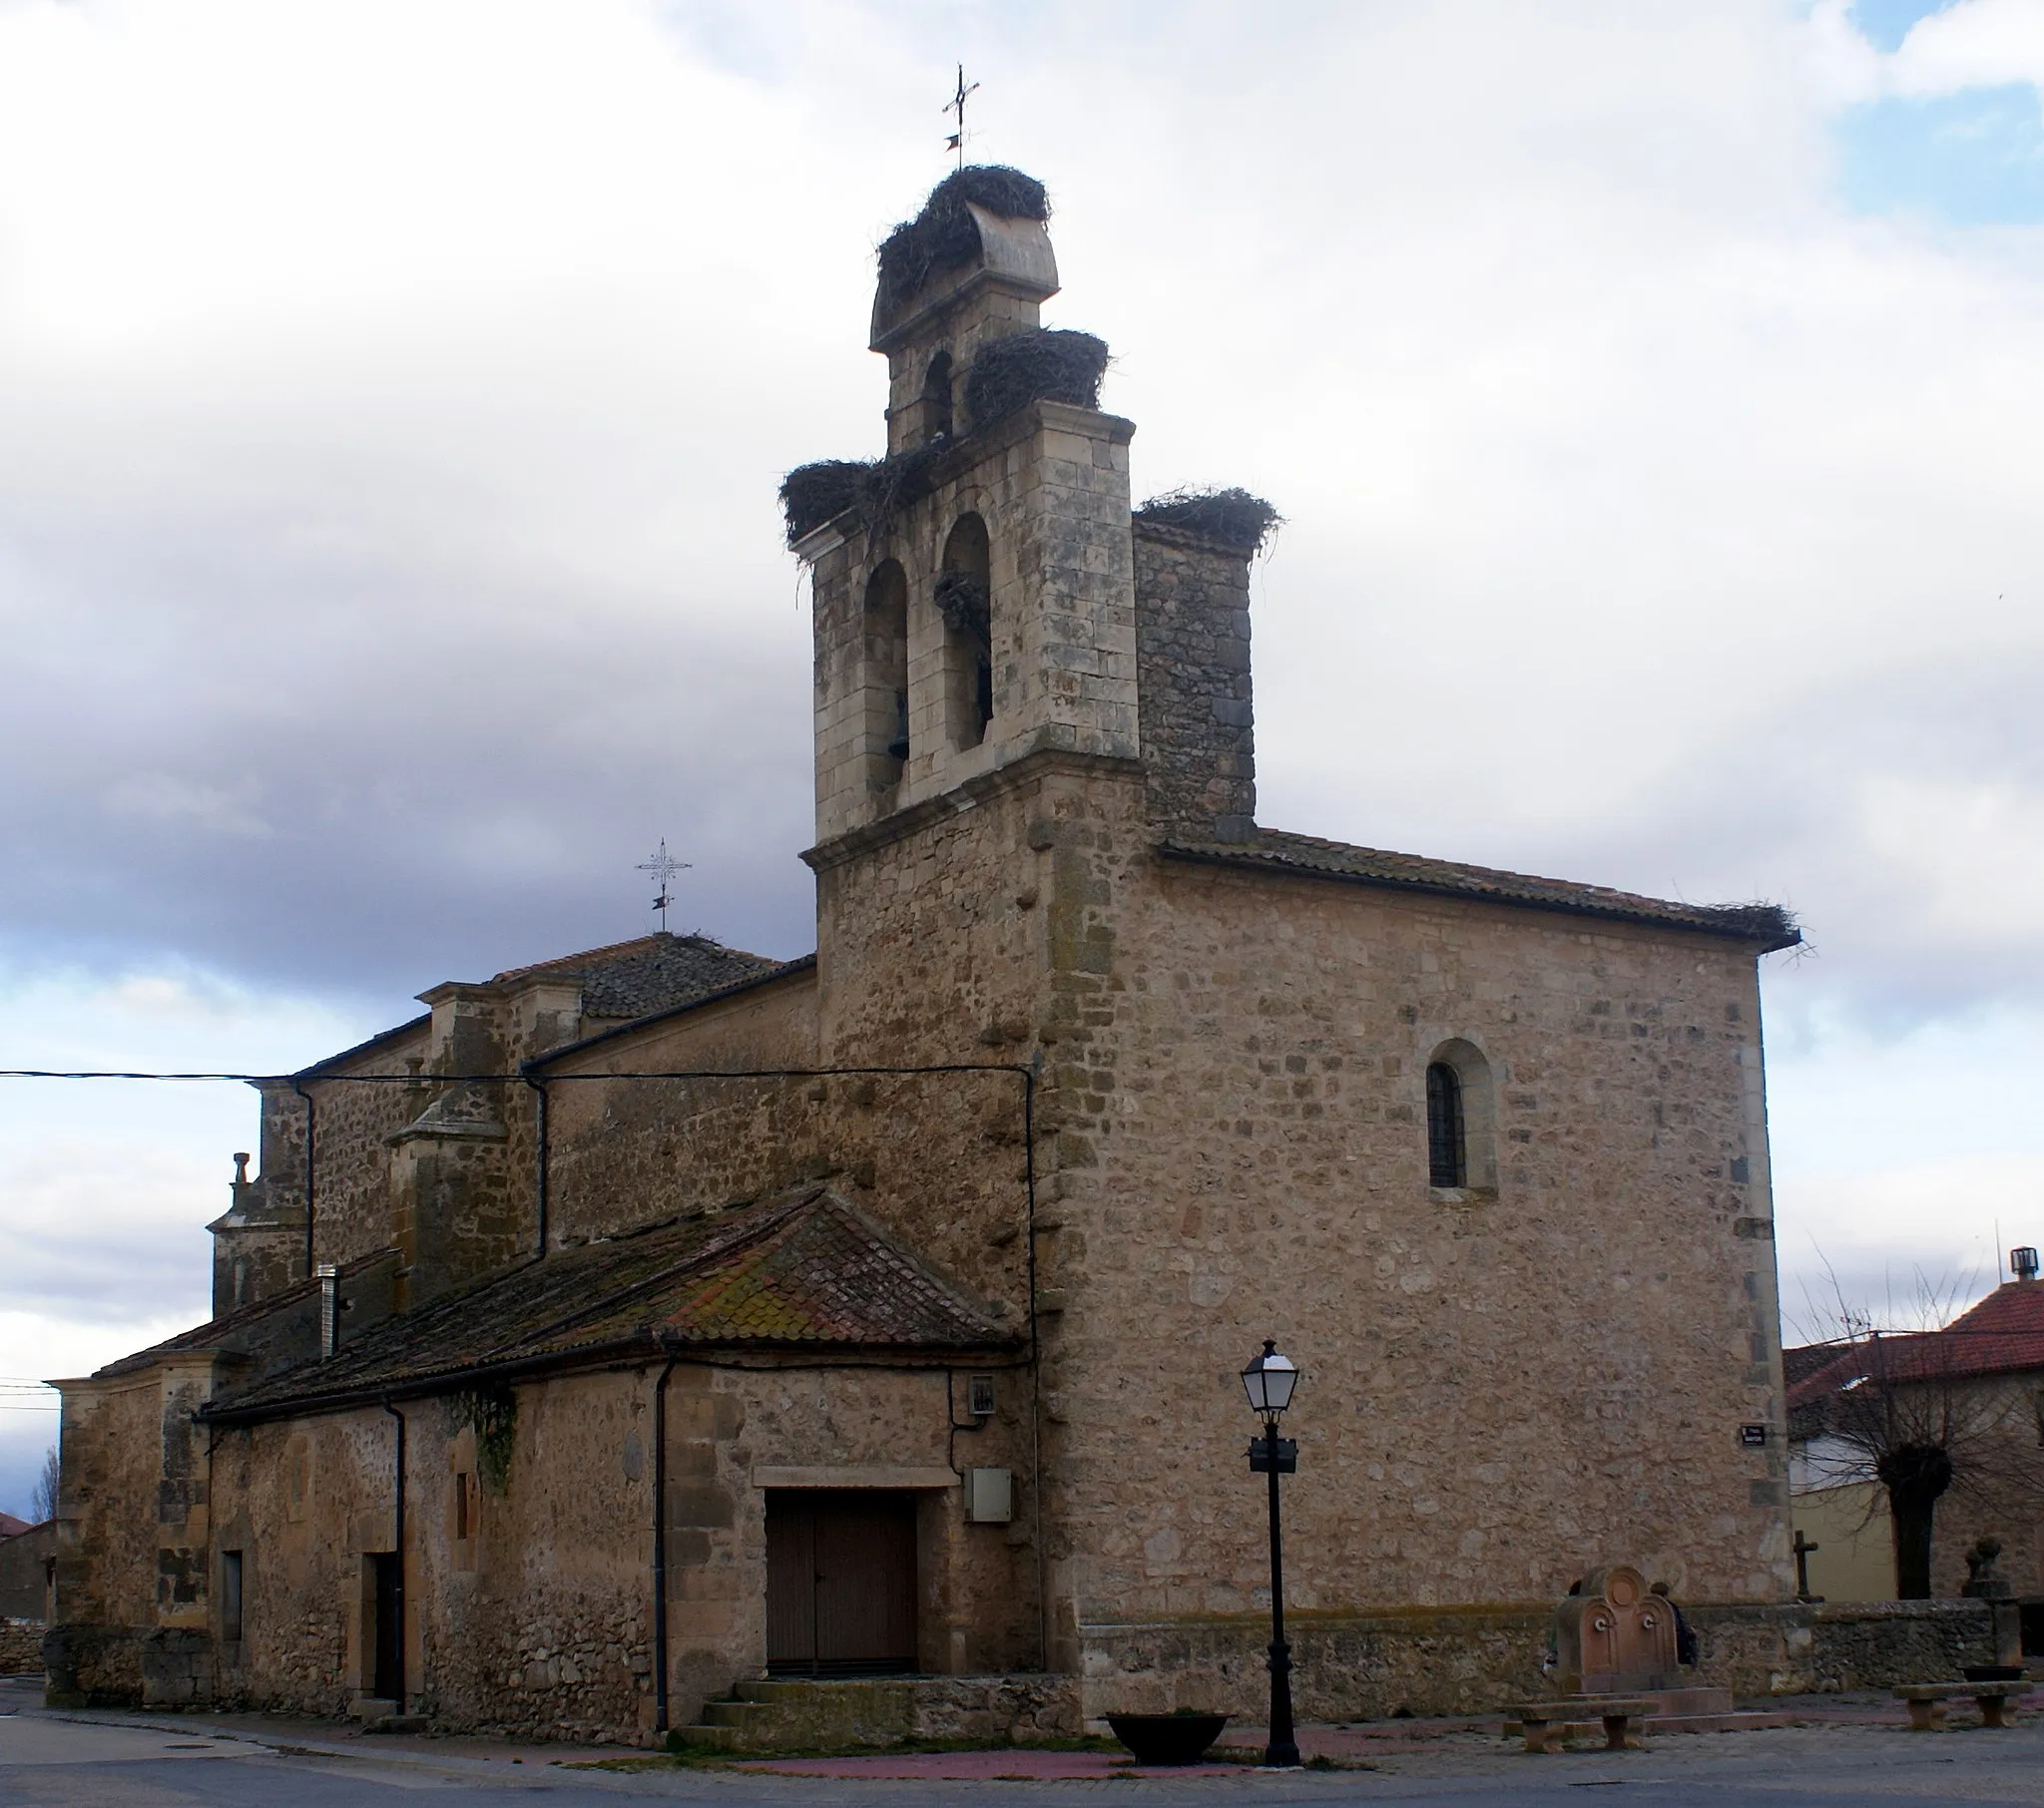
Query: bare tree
point(42, 1503)
point(1925, 1413)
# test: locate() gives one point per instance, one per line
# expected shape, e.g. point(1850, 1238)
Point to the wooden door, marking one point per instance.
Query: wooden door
point(388, 1584)
point(841, 1581)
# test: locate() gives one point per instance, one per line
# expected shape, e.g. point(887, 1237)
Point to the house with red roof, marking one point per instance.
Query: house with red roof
point(1957, 1413)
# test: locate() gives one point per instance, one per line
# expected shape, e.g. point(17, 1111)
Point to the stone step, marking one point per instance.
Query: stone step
point(739, 1715)
point(705, 1737)
point(852, 1691)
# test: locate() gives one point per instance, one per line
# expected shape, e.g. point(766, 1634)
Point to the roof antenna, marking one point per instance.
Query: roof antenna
point(662, 866)
point(956, 104)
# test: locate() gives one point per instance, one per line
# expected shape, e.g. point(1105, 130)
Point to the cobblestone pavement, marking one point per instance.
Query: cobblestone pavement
point(1855, 1756)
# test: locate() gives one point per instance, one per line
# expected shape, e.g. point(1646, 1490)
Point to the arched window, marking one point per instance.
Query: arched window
point(884, 675)
point(964, 599)
point(1448, 1144)
point(1461, 1124)
point(936, 398)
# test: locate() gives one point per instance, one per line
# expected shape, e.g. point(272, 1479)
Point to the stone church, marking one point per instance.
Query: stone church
point(654, 1338)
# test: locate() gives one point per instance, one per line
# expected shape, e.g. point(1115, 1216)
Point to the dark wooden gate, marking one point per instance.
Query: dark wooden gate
point(841, 1581)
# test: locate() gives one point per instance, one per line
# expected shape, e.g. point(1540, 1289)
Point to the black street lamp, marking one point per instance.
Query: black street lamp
point(1270, 1379)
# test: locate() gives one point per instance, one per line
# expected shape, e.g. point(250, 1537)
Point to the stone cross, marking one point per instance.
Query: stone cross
point(1803, 1549)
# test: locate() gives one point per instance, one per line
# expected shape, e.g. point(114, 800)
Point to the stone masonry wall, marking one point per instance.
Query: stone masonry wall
point(21, 1648)
point(937, 1158)
point(351, 1184)
point(1197, 706)
point(1051, 483)
point(1474, 1659)
point(111, 1453)
point(1499, 1393)
point(539, 1623)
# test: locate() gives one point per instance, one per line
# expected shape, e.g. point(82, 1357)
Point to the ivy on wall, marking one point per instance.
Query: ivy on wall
point(494, 1416)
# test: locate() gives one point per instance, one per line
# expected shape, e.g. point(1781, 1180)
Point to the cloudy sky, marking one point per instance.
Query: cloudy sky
point(392, 394)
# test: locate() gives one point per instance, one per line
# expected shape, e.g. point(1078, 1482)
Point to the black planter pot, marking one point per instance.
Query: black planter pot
point(1167, 1739)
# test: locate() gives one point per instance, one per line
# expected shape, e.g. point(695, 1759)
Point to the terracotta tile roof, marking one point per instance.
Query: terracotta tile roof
point(236, 1330)
point(10, 1527)
point(1801, 1361)
point(1274, 850)
point(2002, 1335)
point(651, 973)
point(799, 1272)
point(384, 1038)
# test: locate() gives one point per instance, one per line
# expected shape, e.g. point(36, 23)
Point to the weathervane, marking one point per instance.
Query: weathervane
point(662, 866)
point(956, 104)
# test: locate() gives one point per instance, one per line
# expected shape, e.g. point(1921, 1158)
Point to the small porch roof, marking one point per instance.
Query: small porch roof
point(806, 1273)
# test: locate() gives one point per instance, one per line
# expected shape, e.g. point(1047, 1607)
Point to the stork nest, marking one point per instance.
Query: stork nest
point(1231, 518)
point(945, 234)
point(814, 494)
point(1035, 365)
point(962, 599)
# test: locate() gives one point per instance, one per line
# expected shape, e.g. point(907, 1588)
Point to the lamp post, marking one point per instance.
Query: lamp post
point(1270, 1379)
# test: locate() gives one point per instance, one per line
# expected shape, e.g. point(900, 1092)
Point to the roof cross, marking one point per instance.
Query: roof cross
point(956, 105)
point(662, 866)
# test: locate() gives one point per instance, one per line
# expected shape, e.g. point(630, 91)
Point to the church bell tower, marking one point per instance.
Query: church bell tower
point(974, 588)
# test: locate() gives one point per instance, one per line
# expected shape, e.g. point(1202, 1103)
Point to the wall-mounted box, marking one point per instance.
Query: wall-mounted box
point(989, 1496)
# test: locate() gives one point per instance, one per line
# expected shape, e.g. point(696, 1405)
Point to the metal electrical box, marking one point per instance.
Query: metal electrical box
point(989, 1496)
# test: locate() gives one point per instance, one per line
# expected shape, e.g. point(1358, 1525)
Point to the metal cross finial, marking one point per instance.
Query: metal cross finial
point(956, 104)
point(662, 866)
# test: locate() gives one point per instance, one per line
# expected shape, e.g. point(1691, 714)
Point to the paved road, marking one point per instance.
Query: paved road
point(49, 1762)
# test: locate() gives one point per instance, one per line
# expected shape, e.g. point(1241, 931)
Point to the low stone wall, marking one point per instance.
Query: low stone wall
point(92, 1666)
point(1345, 1667)
point(127, 1666)
point(1877, 1644)
point(1474, 1659)
point(21, 1648)
point(1021, 1709)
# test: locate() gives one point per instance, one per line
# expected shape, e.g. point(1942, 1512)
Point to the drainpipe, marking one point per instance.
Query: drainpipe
point(1036, 1483)
point(540, 1158)
point(397, 1537)
point(309, 1115)
point(660, 1548)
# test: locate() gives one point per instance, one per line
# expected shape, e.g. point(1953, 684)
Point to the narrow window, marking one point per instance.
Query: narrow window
point(964, 598)
point(1447, 1147)
point(464, 1508)
point(231, 1596)
point(884, 656)
point(1461, 1124)
point(936, 398)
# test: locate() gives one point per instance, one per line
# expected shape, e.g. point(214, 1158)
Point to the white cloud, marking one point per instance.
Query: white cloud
point(1971, 44)
point(1976, 43)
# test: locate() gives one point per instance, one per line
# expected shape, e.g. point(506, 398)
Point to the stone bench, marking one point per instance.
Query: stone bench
point(1927, 1701)
point(1545, 1722)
